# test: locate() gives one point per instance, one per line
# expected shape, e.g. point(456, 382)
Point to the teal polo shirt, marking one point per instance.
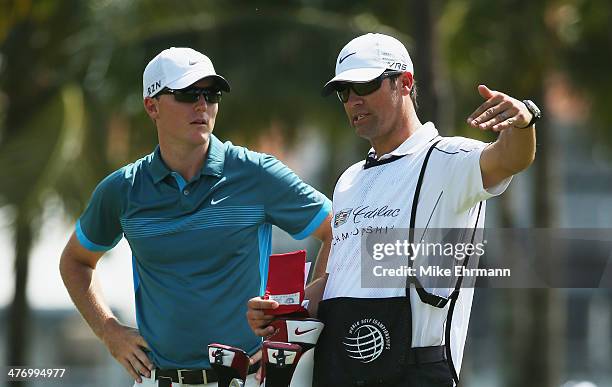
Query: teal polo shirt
point(200, 248)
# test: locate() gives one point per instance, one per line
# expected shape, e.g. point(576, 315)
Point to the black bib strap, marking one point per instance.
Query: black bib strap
point(417, 191)
point(431, 299)
point(428, 298)
point(451, 308)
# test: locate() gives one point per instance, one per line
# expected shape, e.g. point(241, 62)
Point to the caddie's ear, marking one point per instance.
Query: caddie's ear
point(407, 80)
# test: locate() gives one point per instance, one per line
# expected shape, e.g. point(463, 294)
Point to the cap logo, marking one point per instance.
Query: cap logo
point(192, 62)
point(342, 59)
point(397, 66)
point(153, 88)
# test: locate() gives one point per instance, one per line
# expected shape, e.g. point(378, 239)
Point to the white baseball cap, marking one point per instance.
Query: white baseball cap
point(177, 68)
point(366, 57)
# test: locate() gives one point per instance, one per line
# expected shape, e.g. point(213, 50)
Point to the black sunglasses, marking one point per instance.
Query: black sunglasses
point(362, 88)
point(192, 94)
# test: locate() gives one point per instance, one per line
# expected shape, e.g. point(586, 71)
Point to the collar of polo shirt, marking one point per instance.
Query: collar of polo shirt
point(213, 166)
point(418, 140)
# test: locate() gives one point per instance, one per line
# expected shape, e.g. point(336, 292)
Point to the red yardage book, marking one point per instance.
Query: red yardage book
point(286, 278)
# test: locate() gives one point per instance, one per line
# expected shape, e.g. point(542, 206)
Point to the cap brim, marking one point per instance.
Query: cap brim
point(192, 77)
point(353, 75)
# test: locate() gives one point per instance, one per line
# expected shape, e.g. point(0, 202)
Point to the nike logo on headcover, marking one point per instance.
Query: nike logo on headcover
point(213, 201)
point(298, 332)
point(342, 59)
point(192, 62)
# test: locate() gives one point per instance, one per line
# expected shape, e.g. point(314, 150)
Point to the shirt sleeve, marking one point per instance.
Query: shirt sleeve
point(465, 183)
point(99, 227)
point(291, 204)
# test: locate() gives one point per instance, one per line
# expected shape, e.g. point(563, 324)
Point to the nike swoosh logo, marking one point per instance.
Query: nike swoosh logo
point(213, 201)
point(298, 332)
point(191, 62)
point(342, 59)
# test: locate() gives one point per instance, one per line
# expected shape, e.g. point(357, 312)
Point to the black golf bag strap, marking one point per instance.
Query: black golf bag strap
point(451, 308)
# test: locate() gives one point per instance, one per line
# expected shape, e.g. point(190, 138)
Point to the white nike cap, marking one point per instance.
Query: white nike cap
point(367, 57)
point(177, 68)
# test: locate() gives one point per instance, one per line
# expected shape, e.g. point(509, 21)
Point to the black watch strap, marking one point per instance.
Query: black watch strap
point(535, 111)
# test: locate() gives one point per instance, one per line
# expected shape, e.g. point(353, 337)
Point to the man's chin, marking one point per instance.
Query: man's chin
point(363, 131)
point(206, 133)
point(201, 138)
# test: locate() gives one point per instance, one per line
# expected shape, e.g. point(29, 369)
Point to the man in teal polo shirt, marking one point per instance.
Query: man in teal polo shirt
point(198, 216)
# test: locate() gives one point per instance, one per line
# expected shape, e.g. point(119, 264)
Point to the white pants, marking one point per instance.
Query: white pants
point(151, 382)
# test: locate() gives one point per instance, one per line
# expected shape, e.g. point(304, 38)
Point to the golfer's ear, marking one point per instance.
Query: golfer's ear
point(151, 106)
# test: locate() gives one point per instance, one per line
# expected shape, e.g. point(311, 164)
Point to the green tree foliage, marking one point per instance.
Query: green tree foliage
point(584, 32)
point(40, 111)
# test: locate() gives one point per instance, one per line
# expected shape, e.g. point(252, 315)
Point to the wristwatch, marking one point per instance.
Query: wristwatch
point(535, 111)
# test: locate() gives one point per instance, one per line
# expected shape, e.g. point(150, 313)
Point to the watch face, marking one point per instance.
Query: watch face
point(533, 108)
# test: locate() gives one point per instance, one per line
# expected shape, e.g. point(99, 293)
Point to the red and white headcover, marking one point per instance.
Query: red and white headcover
point(221, 355)
point(298, 331)
point(280, 354)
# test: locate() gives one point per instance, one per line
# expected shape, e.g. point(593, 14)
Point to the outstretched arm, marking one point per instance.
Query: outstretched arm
point(514, 149)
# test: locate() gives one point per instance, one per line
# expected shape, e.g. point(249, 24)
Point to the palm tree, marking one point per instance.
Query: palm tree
point(43, 133)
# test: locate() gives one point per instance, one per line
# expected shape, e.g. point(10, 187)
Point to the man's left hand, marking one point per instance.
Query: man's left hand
point(499, 112)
